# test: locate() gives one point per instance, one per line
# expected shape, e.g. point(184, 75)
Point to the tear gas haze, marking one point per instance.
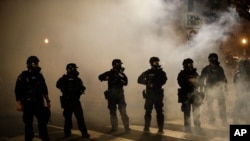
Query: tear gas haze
point(91, 33)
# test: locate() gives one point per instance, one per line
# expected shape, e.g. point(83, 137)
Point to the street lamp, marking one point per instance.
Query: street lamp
point(244, 43)
point(46, 40)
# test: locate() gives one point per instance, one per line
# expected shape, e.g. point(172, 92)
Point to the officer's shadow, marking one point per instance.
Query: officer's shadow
point(60, 137)
point(147, 136)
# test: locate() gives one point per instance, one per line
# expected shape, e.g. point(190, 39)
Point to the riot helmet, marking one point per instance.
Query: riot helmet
point(188, 64)
point(33, 63)
point(154, 62)
point(117, 64)
point(72, 69)
point(213, 58)
point(32, 59)
point(71, 66)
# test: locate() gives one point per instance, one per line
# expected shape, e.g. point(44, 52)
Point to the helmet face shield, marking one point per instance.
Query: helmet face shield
point(213, 58)
point(71, 66)
point(117, 65)
point(153, 59)
point(154, 62)
point(32, 59)
point(33, 64)
point(116, 62)
point(72, 69)
point(188, 64)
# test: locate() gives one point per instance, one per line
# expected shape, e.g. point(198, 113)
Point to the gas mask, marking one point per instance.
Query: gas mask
point(73, 72)
point(37, 69)
point(189, 67)
point(213, 60)
point(155, 64)
point(34, 67)
point(119, 68)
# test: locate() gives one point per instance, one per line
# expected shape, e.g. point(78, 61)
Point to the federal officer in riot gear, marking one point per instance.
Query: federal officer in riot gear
point(115, 94)
point(188, 95)
point(72, 88)
point(242, 86)
point(154, 78)
point(214, 82)
point(30, 91)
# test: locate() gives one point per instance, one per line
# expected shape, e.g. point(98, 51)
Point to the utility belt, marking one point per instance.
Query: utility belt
point(185, 94)
point(113, 91)
point(31, 100)
point(156, 92)
point(67, 101)
point(194, 96)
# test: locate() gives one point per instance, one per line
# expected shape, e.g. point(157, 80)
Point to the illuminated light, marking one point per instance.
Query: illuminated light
point(244, 41)
point(46, 41)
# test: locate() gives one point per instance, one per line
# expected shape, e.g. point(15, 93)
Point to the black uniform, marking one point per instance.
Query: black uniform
point(115, 94)
point(188, 80)
point(154, 79)
point(30, 89)
point(242, 86)
point(214, 80)
point(72, 87)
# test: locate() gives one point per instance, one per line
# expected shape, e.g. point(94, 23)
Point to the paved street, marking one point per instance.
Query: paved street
point(100, 132)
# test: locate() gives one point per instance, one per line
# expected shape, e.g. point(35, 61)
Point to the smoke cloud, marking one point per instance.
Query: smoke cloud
point(91, 33)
